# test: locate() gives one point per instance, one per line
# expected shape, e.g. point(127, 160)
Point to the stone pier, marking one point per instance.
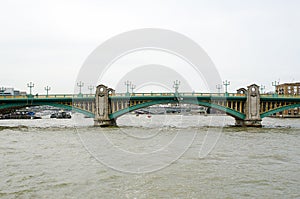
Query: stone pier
point(252, 109)
point(103, 107)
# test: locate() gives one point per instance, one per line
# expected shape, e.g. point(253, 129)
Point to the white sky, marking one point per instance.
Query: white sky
point(46, 42)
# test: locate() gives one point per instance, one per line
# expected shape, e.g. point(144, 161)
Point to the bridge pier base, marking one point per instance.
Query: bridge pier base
point(252, 108)
point(105, 123)
point(103, 107)
point(248, 123)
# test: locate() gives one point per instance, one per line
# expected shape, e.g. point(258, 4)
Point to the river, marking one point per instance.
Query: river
point(149, 157)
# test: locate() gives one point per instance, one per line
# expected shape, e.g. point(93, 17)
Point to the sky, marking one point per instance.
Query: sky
point(47, 42)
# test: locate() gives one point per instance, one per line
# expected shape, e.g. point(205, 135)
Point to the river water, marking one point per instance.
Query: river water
point(149, 157)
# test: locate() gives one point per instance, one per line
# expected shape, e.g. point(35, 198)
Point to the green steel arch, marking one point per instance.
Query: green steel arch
point(282, 108)
point(228, 111)
point(121, 112)
point(63, 106)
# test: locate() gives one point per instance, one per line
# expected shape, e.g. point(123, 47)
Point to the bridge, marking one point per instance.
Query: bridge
point(248, 106)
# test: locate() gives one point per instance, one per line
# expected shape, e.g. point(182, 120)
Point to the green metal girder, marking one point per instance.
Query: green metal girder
point(38, 100)
point(138, 106)
point(72, 108)
point(228, 111)
point(4, 106)
point(283, 108)
point(280, 99)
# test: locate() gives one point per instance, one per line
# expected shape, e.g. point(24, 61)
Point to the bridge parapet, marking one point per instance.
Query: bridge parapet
point(279, 96)
point(47, 96)
point(179, 94)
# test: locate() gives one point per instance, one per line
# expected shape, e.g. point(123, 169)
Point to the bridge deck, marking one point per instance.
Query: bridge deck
point(144, 94)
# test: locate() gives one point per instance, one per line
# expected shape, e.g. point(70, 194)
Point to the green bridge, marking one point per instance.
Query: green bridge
point(248, 107)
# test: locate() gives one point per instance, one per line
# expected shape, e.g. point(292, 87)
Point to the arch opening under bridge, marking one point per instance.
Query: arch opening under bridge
point(279, 109)
point(228, 111)
point(57, 105)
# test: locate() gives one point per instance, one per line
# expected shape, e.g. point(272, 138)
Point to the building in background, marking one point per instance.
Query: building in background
point(289, 89)
point(6, 91)
point(22, 93)
point(10, 92)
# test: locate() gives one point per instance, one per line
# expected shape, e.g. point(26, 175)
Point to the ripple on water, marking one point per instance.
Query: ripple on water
point(48, 161)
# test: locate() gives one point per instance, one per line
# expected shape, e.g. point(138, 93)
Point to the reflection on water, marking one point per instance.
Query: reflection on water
point(46, 158)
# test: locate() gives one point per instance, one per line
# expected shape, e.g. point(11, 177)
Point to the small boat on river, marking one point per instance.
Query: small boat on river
point(20, 115)
point(61, 115)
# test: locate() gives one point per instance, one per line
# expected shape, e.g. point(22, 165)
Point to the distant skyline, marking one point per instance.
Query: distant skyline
point(46, 42)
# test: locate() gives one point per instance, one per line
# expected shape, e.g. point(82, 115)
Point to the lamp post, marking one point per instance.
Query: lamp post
point(2, 90)
point(30, 85)
point(47, 88)
point(226, 84)
point(132, 87)
point(80, 85)
point(275, 83)
point(219, 87)
point(127, 84)
point(176, 86)
point(262, 88)
point(91, 88)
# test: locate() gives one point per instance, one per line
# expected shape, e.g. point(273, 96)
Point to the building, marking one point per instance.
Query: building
point(22, 93)
point(10, 92)
point(289, 89)
point(6, 91)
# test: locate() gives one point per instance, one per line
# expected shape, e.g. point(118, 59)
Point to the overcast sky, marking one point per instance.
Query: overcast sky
point(46, 42)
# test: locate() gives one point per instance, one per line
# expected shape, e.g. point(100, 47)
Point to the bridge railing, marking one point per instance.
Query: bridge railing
point(279, 96)
point(47, 96)
point(173, 94)
point(140, 95)
point(202, 94)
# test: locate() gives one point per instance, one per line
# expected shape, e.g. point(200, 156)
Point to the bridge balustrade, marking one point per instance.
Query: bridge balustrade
point(47, 96)
point(181, 94)
point(143, 94)
point(279, 96)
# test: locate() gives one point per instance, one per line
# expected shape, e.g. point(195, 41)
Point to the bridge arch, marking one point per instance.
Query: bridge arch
point(228, 111)
point(62, 106)
point(279, 109)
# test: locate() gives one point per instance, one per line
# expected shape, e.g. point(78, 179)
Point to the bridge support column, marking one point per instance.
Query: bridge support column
point(105, 123)
point(103, 107)
point(252, 108)
point(248, 123)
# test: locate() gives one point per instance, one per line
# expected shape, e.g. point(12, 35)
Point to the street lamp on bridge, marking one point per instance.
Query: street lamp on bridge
point(91, 88)
point(262, 88)
point(219, 87)
point(132, 87)
point(176, 85)
point(47, 88)
point(127, 84)
point(226, 84)
point(80, 85)
point(30, 85)
point(275, 83)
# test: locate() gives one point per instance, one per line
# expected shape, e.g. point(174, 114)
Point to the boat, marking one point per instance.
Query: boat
point(61, 115)
point(20, 115)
